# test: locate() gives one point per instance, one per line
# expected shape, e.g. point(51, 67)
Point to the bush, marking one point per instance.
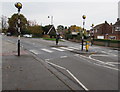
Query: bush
point(106, 40)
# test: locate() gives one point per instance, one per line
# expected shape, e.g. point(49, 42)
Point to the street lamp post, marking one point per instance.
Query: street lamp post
point(84, 17)
point(18, 5)
point(51, 19)
point(57, 34)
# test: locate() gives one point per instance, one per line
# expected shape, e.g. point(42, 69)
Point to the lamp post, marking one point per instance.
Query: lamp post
point(57, 34)
point(51, 19)
point(84, 17)
point(18, 5)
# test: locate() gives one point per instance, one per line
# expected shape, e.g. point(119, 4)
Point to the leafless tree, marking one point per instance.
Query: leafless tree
point(4, 23)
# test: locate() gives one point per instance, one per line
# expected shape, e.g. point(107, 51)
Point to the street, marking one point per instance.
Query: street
point(96, 69)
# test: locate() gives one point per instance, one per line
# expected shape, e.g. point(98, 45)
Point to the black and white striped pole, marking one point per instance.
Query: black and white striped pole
point(92, 34)
point(84, 17)
point(18, 5)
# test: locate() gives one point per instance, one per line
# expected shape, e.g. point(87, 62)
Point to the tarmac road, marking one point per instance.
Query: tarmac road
point(95, 70)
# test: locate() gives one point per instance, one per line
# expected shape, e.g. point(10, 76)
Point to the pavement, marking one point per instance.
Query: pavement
point(25, 72)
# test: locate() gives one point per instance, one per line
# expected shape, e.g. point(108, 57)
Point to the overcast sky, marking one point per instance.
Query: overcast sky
point(65, 12)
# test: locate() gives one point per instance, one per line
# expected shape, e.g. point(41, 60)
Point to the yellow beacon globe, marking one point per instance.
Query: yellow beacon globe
point(84, 17)
point(18, 5)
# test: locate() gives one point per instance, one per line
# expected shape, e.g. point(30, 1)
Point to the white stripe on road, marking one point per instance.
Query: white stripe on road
point(99, 64)
point(56, 65)
point(63, 56)
point(112, 63)
point(77, 80)
point(47, 50)
point(110, 53)
point(108, 67)
point(102, 62)
point(76, 55)
point(66, 48)
point(35, 52)
point(74, 48)
point(80, 83)
point(58, 49)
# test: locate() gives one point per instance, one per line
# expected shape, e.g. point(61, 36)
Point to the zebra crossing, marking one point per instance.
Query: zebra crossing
point(54, 49)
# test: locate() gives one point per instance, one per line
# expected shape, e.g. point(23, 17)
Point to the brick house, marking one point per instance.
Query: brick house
point(116, 30)
point(106, 31)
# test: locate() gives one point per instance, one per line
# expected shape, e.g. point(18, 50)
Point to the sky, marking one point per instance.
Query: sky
point(64, 12)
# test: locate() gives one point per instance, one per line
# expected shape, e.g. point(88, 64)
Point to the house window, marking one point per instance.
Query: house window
point(96, 30)
point(117, 28)
point(100, 37)
point(112, 37)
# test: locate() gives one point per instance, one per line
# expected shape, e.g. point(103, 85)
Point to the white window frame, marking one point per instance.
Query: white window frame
point(117, 28)
point(112, 36)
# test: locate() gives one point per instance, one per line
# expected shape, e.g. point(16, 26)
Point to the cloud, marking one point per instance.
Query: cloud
point(66, 13)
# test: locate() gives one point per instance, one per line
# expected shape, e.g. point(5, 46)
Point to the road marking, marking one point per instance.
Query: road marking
point(63, 56)
point(80, 83)
point(56, 65)
point(66, 48)
point(76, 55)
point(47, 59)
point(99, 55)
point(47, 50)
point(108, 67)
point(110, 53)
point(98, 64)
point(35, 52)
point(58, 49)
point(102, 62)
point(113, 63)
point(74, 48)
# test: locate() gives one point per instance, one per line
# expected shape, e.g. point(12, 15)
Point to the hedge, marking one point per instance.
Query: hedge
point(105, 40)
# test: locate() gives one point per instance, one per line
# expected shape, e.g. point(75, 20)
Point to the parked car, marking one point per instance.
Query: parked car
point(27, 35)
point(8, 34)
point(2, 33)
point(61, 37)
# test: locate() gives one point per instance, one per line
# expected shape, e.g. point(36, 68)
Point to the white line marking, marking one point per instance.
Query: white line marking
point(63, 56)
point(74, 48)
point(107, 67)
point(77, 80)
point(56, 65)
point(58, 49)
point(66, 48)
point(99, 60)
point(98, 64)
point(47, 59)
point(47, 50)
point(113, 63)
point(110, 53)
point(35, 52)
point(99, 55)
point(81, 84)
point(76, 55)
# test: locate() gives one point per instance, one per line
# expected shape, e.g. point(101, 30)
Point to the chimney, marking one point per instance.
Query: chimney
point(118, 19)
point(110, 24)
point(105, 22)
